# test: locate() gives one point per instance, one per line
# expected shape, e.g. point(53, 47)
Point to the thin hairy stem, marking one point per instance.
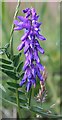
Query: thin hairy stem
point(11, 48)
point(12, 29)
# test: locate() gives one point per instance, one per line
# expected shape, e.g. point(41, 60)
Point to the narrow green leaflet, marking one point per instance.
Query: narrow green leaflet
point(24, 107)
point(12, 84)
point(43, 113)
point(19, 68)
point(7, 45)
point(8, 101)
point(6, 66)
point(21, 92)
point(10, 73)
point(2, 88)
point(1, 52)
point(21, 99)
point(8, 54)
point(5, 61)
point(12, 89)
point(21, 76)
point(16, 59)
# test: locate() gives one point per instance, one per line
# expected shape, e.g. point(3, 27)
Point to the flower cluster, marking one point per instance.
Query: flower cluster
point(32, 66)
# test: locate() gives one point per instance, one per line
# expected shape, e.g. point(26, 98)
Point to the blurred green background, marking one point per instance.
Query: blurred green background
point(50, 17)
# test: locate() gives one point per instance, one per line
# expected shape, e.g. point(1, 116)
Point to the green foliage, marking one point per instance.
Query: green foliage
point(6, 66)
point(12, 84)
point(16, 59)
point(43, 113)
point(5, 61)
point(10, 74)
point(19, 66)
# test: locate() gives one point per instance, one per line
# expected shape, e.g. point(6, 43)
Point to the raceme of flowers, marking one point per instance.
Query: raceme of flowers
point(29, 41)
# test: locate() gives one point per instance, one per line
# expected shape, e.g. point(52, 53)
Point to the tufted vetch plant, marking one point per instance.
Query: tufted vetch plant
point(30, 42)
point(30, 73)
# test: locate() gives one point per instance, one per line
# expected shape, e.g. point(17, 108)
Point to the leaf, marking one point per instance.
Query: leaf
point(2, 88)
point(24, 107)
point(19, 67)
point(8, 101)
point(5, 61)
point(21, 92)
point(7, 45)
point(7, 50)
point(11, 45)
point(44, 113)
point(21, 100)
point(6, 66)
point(12, 89)
point(12, 84)
point(16, 59)
point(1, 52)
point(10, 73)
point(22, 75)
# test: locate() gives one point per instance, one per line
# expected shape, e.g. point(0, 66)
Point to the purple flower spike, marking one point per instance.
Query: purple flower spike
point(29, 41)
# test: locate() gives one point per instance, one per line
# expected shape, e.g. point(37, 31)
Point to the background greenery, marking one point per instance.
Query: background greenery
point(50, 17)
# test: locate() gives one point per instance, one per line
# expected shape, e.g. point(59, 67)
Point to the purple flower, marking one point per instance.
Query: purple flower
point(29, 41)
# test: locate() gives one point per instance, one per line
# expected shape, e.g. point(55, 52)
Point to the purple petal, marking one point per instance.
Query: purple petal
point(16, 22)
point(18, 28)
point(28, 13)
point(28, 86)
point(36, 42)
point(30, 56)
point(34, 72)
point(26, 64)
point(36, 57)
point(26, 10)
point(39, 75)
point(41, 50)
point(25, 35)
point(29, 74)
point(38, 24)
point(36, 27)
point(20, 47)
point(26, 47)
point(20, 24)
point(40, 66)
point(35, 17)
point(22, 82)
point(33, 12)
point(41, 37)
point(23, 19)
point(33, 82)
point(24, 25)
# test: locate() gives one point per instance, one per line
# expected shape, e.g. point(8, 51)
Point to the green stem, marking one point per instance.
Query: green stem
point(12, 29)
point(17, 99)
point(18, 103)
point(30, 93)
point(11, 48)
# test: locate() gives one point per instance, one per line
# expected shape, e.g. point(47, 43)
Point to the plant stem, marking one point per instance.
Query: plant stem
point(11, 48)
point(17, 99)
point(12, 29)
point(30, 93)
point(18, 103)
